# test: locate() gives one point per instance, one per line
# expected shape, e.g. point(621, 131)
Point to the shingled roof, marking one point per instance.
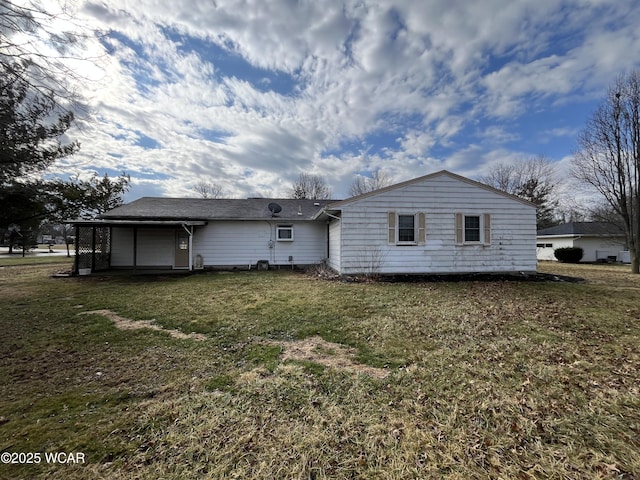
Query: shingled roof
point(582, 228)
point(157, 208)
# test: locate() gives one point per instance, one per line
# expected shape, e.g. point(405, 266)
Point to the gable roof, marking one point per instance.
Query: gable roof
point(158, 208)
point(337, 205)
point(582, 228)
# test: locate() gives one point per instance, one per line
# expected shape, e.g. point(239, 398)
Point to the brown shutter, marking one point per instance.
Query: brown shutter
point(487, 229)
point(421, 228)
point(459, 232)
point(392, 227)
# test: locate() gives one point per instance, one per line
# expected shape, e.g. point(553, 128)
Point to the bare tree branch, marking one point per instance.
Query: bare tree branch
point(361, 184)
point(209, 189)
point(310, 186)
point(35, 50)
point(533, 179)
point(608, 158)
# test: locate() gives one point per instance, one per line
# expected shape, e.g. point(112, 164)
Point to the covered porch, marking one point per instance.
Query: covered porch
point(138, 246)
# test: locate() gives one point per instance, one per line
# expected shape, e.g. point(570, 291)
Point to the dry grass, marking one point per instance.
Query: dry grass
point(333, 355)
point(127, 324)
point(306, 378)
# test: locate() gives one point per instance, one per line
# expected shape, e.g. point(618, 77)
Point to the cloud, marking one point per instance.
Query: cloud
point(251, 93)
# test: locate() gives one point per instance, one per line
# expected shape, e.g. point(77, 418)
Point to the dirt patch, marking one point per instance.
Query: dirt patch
point(127, 324)
point(333, 355)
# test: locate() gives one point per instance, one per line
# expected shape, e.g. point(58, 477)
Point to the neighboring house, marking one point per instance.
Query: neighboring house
point(439, 223)
point(599, 241)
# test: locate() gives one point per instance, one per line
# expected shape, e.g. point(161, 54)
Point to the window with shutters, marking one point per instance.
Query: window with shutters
point(473, 229)
point(406, 229)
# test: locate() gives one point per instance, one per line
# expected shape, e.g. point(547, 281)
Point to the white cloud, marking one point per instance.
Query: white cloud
point(428, 72)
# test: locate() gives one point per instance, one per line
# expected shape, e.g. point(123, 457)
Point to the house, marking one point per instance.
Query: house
point(439, 223)
point(600, 241)
point(190, 233)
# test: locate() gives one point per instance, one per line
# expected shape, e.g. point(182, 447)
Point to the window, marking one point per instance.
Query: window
point(183, 241)
point(471, 228)
point(284, 233)
point(406, 228)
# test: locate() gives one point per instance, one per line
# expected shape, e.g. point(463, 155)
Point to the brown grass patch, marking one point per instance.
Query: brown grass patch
point(333, 355)
point(127, 324)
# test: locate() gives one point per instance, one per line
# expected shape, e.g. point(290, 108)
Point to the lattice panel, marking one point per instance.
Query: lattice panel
point(84, 247)
point(93, 248)
point(102, 248)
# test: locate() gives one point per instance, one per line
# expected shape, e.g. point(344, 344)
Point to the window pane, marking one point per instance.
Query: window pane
point(472, 229)
point(285, 232)
point(406, 232)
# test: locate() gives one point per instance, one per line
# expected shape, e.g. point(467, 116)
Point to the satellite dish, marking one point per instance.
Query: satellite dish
point(274, 208)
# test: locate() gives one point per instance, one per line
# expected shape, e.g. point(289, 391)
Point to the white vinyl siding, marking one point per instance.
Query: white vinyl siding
point(369, 229)
point(243, 243)
point(335, 243)
point(155, 247)
point(122, 247)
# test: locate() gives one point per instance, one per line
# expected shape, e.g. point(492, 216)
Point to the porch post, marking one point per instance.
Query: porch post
point(191, 248)
point(135, 248)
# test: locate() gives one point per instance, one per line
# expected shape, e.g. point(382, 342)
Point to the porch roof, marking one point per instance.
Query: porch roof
point(137, 223)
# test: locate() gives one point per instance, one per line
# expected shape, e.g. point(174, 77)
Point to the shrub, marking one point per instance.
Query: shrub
point(569, 254)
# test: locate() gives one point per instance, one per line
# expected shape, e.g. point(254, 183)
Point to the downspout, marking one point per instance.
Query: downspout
point(329, 234)
point(271, 244)
point(330, 215)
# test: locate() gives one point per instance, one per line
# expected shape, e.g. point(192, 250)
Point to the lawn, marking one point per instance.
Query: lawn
point(283, 375)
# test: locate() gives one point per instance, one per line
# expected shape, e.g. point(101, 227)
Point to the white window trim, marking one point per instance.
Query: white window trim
point(415, 228)
point(483, 231)
point(480, 227)
point(282, 228)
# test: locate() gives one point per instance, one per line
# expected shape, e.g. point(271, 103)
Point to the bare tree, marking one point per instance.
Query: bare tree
point(362, 184)
point(533, 179)
point(34, 51)
point(608, 159)
point(209, 189)
point(310, 186)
